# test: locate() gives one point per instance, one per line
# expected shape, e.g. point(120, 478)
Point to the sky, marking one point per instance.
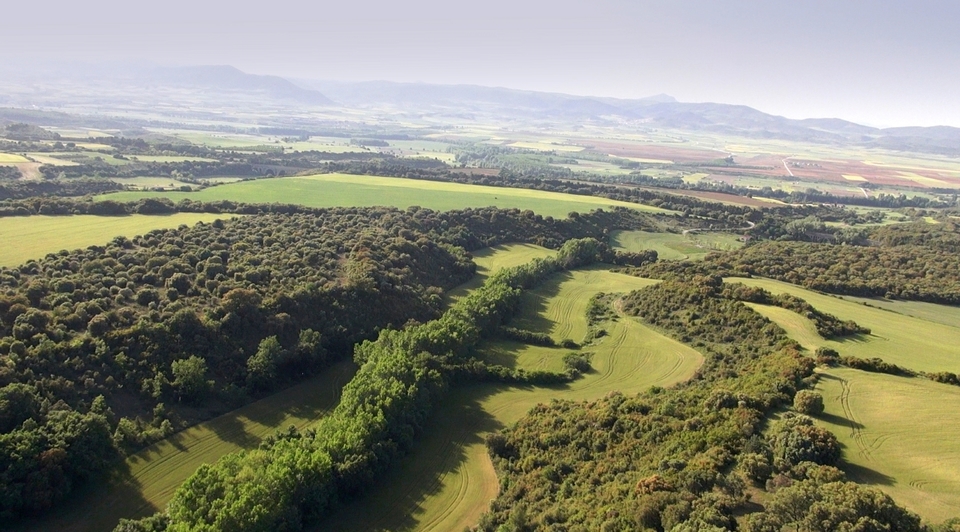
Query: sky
point(879, 62)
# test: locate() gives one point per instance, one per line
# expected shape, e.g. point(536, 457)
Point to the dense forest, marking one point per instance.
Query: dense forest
point(137, 338)
point(916, 261)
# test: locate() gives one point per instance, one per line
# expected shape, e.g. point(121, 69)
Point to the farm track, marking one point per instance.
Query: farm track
point(856, 433)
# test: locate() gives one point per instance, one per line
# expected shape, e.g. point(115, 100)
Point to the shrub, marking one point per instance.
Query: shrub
point(807, 402)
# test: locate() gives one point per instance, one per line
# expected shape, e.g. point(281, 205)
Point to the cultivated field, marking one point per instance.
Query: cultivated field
point(170, 158)
point(144, 182)
point(907, 341)
point(491, 259)
point(899, 434)
point(10, 158)
point(333, 190)
point(943, 314)
point(672, 246)
point(147, 480)
point(33, 237)
point(448, 481)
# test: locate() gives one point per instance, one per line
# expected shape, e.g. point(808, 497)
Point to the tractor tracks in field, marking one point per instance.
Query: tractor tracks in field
point(856, 428)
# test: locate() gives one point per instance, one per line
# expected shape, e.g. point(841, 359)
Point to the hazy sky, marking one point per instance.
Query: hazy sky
point(878, 62)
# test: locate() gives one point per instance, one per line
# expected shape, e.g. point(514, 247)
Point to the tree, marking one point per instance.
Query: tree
point(847, 506)
point(262, 366)
point(190, 377)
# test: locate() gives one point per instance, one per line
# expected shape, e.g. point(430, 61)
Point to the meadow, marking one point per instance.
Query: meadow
point(334, 190)
point(34, 237)
point(672, 246)
point(448, 481)
point(907, 341)
point(146, 481)
point(12, 158)
point(898, 433)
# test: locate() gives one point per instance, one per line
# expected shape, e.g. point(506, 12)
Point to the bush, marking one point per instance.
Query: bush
point(577, 362)
point(807, 402)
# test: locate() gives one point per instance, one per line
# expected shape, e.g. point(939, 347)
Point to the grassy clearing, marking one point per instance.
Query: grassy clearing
point(449, 481)
point(899, 434)
point(491, 259)
point(907, 341)
point(45, 158)
point(942, 314)
point(145, 183)
point(148, 479)
point(12, 158)
point(32, 237)
point(333, 190)
point(170, 159)
point(671, 246)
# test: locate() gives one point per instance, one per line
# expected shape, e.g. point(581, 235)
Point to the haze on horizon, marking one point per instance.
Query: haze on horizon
point(881, 62)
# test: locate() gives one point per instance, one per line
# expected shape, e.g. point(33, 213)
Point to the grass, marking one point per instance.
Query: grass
point(166, 183)
point(45, 158)
point(491, 259)
point(900, 435)
point(147, 480)
point(942, 314)
point(448, 480)
point(907, 341)
point(170, 159)
point(33, 237)
point(332, 190)
point(12, 158)
point(672, 246)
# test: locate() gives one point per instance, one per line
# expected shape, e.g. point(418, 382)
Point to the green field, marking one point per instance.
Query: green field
point(448, 480)
point(148, 479)
point(491, 259)
point(944, 314)
point(11, 158)
point(672, 246)
point(45, 158)
point(907, 341)
point(170, 159)
point(900, 434)
point(334, 190)
point(145, 182)
point(33, 237)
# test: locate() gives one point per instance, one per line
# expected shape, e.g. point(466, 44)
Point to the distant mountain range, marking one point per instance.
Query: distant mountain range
point(661, 111)
point(477, 102)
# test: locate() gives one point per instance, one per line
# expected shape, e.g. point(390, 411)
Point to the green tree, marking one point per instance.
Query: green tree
point(262, 366)
point(190, 377)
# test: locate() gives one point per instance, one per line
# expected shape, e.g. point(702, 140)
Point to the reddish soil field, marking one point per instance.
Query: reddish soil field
point(834, 171)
